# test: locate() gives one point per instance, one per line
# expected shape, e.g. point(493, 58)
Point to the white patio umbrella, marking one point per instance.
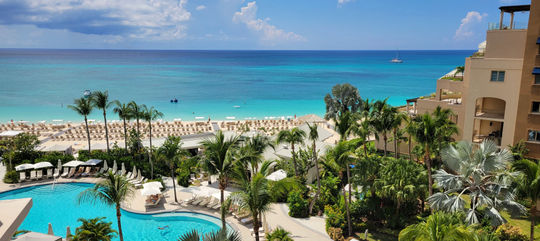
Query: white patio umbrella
point(105, 166)
point(152, 184)
point(277, 175)
point(123, 170)
point(134, 172)
point(24, 167)
point(152, 190)
point(139, 173)
point(41, 165)
point(59, 165)
point(92, 162)
point(73, 163)
point(114, 167)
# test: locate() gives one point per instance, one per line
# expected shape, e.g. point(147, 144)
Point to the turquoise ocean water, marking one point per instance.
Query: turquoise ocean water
point(38, 84)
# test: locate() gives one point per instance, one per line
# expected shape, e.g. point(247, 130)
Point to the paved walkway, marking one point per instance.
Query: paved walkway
point(301, 229)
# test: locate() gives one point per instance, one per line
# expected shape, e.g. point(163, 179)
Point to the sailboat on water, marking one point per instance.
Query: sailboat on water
point(396, 59)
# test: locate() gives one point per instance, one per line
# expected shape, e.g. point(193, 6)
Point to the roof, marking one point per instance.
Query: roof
point(14, 212)
point(10, 133)
point(515, 8)
point(34, 236)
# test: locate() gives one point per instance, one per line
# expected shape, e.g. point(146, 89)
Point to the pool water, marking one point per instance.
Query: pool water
point(58, 205)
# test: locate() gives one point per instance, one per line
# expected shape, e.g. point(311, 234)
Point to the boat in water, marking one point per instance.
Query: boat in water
point(396, 59)
point(87, 93)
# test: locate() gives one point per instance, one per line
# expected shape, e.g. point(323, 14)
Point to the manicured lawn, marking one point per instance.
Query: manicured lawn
point(524, 224)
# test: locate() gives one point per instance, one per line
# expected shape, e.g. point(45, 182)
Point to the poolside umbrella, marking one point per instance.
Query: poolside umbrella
point(92, 162)
point(68, 234)
point(123, 171)
point(105, 166)
point(41, 165)
point(151, 190)
point(73, 163)
point(134, 172)
point(59, 165)
point(139, 174)
point(277, 175)
point(114, 167)
point(24, 167)
point(152, 184)
point(50, 231)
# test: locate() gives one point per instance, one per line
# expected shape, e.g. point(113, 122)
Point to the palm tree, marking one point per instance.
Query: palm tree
point(446, 128)
point(171, 152)
point(279, 234)
point(383, 120)
point(340, 158)
point(363, 132)
point(94, 230)
point(218, 159)
point(123, 112)
point(83, 106)
point(113, 190)
point(344, 123)
point(254, 197)
point(344, 98)
point(100, 100)
point(401, 180)
point(424, 133)
point(219, 235)
point(135, 112)
point(151, 114)
point(259, 143)
point(292, 137)
point(459, 69)
point(314, 136)
point(439, 226)
point(481, 173)
point(531, 185)
point(397, 120)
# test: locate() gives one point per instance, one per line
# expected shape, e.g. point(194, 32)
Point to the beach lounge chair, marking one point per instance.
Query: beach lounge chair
point(128, 175)
point(85, 172)
point(71, 173)
point(22, 176)
point(217, 206)
point(212, 202)
point(139, 181)
point(56, 173)
point(190, 200)
point(246, 220)
point(38, 175)
point(151, 202)
point(205, 201)
point(65, 172)
point(199, 200)
point(103, 170)
point(49, 173)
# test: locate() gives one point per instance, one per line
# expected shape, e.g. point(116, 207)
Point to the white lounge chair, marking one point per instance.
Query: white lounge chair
point(128, 175)
point(71, 173)
point(212, 202)
point(65, 172)
point(199, 200)
point(86, 172)
point(205, 202)
point(103, 170)
point(49, 173)
point(22, 176)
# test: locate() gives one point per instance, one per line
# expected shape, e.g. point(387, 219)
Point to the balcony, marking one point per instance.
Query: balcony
point(491, 109)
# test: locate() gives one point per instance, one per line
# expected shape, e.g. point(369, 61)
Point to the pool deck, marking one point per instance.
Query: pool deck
point(302, 229)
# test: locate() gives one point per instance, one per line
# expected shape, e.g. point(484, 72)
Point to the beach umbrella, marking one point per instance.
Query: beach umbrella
point(41, 165)
point(68, 234)
point(139, 174)
point(277, 175)
point(114, 167)
point(73, 163)
point(50, 231)
point(59, 165)
point(152, 190)
point(134, 172)
point(24, 167)
point(152, 184)
point(123, 171)
point(105, 166)
point(92, 162)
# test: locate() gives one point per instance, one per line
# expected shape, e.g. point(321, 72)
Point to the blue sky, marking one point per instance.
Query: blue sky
point(244, 24)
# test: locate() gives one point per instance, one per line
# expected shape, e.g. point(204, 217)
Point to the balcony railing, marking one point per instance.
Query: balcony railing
point(516, 25)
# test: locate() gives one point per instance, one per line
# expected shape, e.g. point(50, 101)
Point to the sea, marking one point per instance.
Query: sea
point(39, 84)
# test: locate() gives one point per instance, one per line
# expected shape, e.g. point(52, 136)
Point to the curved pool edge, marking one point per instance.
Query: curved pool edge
point(123, 207)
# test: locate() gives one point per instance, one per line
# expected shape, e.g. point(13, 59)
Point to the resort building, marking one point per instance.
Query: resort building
point(497, 96)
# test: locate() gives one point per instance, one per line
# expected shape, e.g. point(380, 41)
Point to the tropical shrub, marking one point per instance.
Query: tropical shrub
point(510, 233)
point(335, 217)
point(94, 230)
point(11, 177)
point(279, 234)
point(183, 177)
point(298, 205)
point(336, 234)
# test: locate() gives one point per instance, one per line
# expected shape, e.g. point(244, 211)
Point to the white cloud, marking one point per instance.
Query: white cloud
point(341, 2)
point(127, 18)
point(269, 33)
point(200, 7)
point(468, 25)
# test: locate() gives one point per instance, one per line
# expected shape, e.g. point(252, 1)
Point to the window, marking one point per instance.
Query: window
point(537, 79)
point(497, 76)
point(534, 135)
point(535, 107)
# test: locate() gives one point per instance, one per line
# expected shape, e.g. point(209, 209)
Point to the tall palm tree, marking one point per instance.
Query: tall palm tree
point(363, 132)
point(344, 123)
point(344, 98)
point(83, 106)
point(123, 112)
point(446, 128)
point(113, 190)
point(382, 120)
point(219, 235)
point(530, 184)
point(314, 136)
point(293, 136)
point(94, 230)
point(481, 172)
point(151, 114)
point(135, 112)
point(397, 120)
point(100, 100)
point(424, 134)
point(340, 158)
point(218, 159)
point(254, 197)
point(171, 152)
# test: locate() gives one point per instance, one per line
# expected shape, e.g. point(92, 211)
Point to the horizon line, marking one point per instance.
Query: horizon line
point(121, 49)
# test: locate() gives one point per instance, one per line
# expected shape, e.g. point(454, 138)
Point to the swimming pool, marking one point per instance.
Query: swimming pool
point(58, 205)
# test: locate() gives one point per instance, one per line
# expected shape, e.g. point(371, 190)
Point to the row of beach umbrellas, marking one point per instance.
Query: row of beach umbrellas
point(45, 165)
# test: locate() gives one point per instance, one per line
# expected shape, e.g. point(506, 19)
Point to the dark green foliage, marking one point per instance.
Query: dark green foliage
point(94, 230)
point(298, 205)
point(11, 177)
point(335, 217)
point(279, 234)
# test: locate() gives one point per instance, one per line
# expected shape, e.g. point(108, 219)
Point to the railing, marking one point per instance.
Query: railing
point(516, 25)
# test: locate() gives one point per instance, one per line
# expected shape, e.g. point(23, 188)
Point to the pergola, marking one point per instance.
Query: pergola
point(512, 10)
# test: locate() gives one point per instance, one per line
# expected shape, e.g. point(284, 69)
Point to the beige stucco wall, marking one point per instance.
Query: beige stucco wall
point(478, 85)
point(505, 43)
